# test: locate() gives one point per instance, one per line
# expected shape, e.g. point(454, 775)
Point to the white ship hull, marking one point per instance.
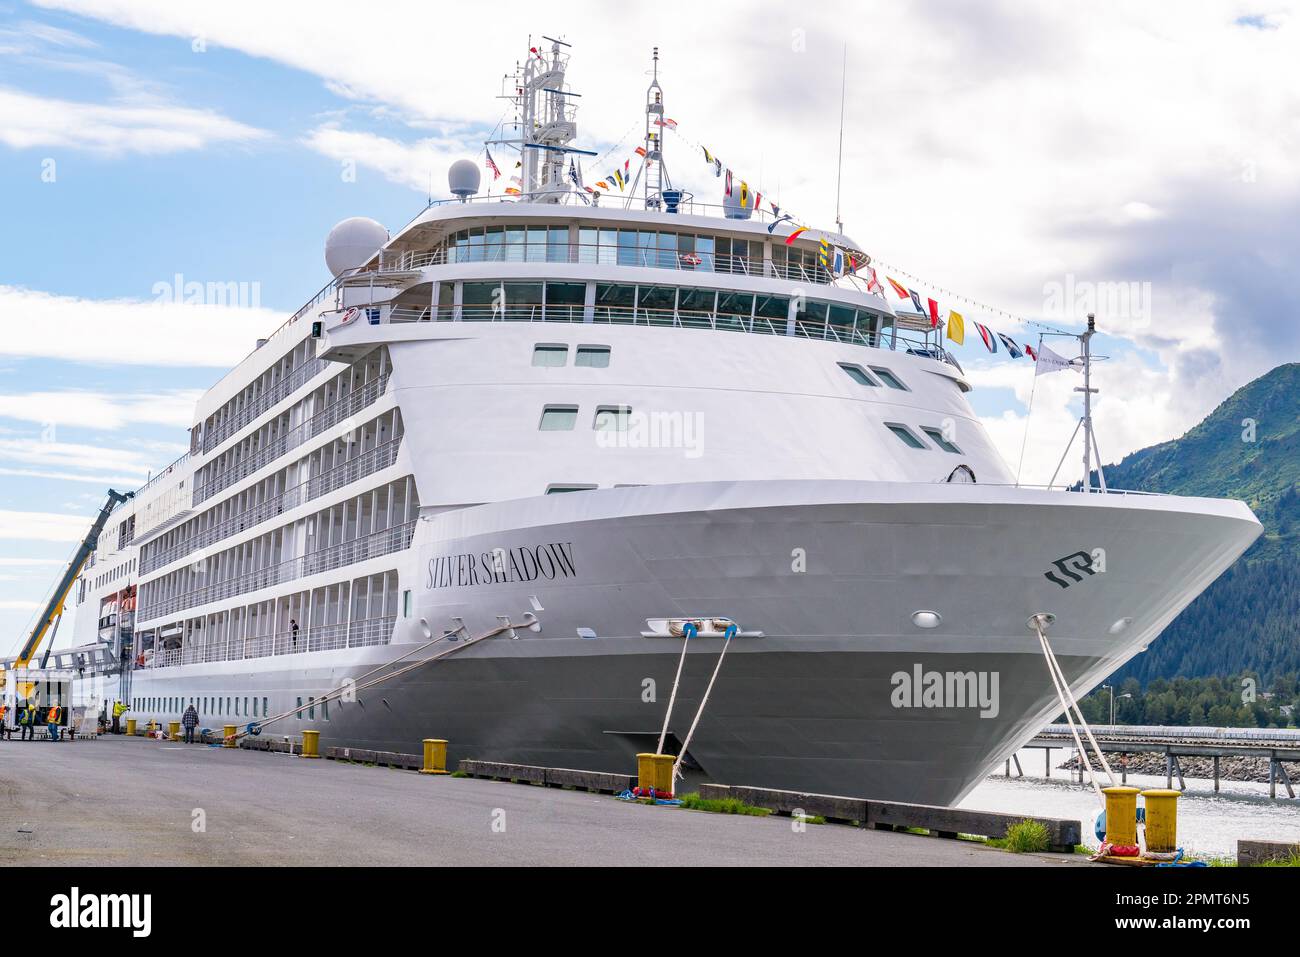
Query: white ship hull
point(830, 573)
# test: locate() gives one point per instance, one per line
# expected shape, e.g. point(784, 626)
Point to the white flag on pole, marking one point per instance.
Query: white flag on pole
point(1049, 361)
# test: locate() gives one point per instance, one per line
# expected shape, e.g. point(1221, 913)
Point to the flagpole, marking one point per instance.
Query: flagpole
point(839, 170)
point(1087, 390)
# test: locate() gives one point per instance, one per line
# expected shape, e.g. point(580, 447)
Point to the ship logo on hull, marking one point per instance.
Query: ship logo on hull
point(524, 563)
point(1069, 567)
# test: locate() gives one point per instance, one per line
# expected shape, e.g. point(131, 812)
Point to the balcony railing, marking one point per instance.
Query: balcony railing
point(862, 335)
point(365, 464)
point(251, 410)
point(353, 402)
point(345, 634)
point(600, 254)
point(383, 542)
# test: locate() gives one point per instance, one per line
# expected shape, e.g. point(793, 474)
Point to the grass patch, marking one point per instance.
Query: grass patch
point(1293, 860)
point(1026, 837)
point(722, 805)
point(458, 774)
point(809, 818)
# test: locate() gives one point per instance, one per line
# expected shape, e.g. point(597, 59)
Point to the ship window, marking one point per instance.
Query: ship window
point(627, 251)
point(842, 319)
point(557, 244)
point(772, 307)
point(891, 380)
point(937, 438)
point(694, 303)
point(298, 713)
point(594, 357)
point(550, 356)
point(612, 418)
point(905, 435)
point(565, 301)
point(479, 299)
point(566, 293)
point(523, 300)
point(812, 319)
point(858, 375)
point(559, 418)
point(265, 712)
point(406, 608)
point(254, 707)
point(614, 303)
point(561, 489)
point(736, 304)
point(659, 301)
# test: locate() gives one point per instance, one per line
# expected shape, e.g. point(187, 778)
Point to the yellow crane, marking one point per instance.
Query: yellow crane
point(54, 608)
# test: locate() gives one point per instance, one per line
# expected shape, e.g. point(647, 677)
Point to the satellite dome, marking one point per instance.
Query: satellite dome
point(463, 178)
point(352, 242)
point(731, 207)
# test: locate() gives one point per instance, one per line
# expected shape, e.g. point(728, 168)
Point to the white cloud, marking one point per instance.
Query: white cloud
point(100, 410)
point(42, 526)
point(57, 459)
point(130, 331)
point(28, 121)
point(19, 605)
point(408, 164)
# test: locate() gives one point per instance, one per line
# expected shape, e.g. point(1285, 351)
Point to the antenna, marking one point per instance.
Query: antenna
point(839, 166)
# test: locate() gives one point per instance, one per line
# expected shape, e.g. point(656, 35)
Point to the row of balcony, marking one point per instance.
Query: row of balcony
point(383, 542)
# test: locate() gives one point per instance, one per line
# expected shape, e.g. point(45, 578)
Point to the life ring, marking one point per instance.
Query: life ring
point(349, 315)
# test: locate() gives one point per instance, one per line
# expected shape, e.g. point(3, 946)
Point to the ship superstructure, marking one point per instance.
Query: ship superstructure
point(608, 416)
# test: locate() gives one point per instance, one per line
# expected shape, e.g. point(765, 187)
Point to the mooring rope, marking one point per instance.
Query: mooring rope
point(688, 632)
point(1066, 698)
point(358, 685)
point(731, 631)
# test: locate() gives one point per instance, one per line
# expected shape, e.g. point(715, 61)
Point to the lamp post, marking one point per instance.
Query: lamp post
point(1111, 689)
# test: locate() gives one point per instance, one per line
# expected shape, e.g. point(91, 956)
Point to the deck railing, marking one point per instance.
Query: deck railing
point(630, 315)
point(380, 457)
point(383, 542)
point(603, 254)
point(345, 634)
point(337, 411)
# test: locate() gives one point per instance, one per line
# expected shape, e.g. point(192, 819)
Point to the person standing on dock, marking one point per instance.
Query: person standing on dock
point(190, 721)
point(293, 630)
point(4, 724)
point(52, 722)
point(119, 709)
point(27, 720)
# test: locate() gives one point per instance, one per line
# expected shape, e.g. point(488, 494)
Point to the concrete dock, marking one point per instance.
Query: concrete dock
point(124, 801)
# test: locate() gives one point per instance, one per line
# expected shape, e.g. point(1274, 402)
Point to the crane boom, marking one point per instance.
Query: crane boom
point(55, 606)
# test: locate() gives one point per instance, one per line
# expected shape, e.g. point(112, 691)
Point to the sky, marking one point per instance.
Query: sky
point(168, 173)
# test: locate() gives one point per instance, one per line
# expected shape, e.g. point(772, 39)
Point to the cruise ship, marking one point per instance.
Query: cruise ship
point(522, 470)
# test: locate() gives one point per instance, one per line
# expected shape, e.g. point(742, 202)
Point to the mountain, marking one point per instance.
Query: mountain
point(1249, 449)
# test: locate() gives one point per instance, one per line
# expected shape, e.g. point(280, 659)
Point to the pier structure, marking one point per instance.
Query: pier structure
point(1276, 745)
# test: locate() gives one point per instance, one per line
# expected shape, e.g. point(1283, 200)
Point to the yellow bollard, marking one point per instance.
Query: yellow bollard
point(173, 730)
point(1162, 821)
point(1121, 816)
point(130, 727)
point(229, 737)
point(435, 756)
point(311, 744)
point(655, 771)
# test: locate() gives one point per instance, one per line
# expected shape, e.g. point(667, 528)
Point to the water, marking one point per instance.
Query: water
point(1209, 824)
